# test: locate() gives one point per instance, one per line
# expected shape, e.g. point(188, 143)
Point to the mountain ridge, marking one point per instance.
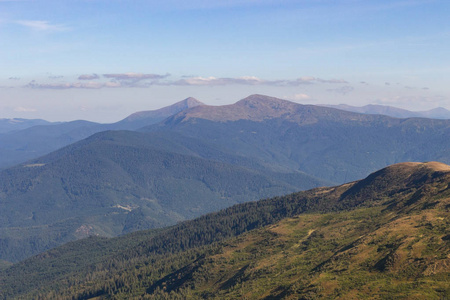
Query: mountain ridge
point(144, 118)
point(14, 124)
point(435, 113)
point(260, 108)
point(256, 108)
point(327, 143)
point(19, 146)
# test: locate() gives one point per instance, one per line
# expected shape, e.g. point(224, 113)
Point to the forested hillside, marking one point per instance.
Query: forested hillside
point(384, 236)
point(118, 182)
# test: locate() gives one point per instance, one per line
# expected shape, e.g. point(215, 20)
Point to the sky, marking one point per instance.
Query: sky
point(101, 60)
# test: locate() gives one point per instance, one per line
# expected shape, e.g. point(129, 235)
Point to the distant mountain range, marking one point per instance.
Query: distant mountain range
point(435, 113)
point(17, 146)
point(15, 124)
point(200, 159)
point(386, 236)
point(331, 144)
point(22, 139)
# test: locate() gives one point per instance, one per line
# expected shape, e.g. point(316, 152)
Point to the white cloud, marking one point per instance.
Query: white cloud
point(112, 84)
point(88, 77)
point(24, 109)
point(342, 90)
point(74, 85)
point(246, 80)
point(331, 80)
point(252, 80)
point(141, 80)
point(135, 76)
point(39, 25)
point(299, 97)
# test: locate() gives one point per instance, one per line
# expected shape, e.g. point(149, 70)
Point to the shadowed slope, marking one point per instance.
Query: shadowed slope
point(116, 182)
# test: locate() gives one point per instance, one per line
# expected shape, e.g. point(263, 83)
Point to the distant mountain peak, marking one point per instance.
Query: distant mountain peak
point(258, 108)
point(257, 101)
point(254, 108)
point(191, 102)
point(257, 98)
point(162, 113)
point(439, 110)
point(435, 113)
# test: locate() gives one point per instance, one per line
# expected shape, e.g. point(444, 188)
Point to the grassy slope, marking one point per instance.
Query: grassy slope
point(397, 251)
point(395, 245)
point(354, 255)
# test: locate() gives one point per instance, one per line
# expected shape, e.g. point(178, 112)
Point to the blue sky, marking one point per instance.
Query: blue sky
point(102, 60)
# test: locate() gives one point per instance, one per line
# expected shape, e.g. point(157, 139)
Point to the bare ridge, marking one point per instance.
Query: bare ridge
point(165, 111)
point(258, 108)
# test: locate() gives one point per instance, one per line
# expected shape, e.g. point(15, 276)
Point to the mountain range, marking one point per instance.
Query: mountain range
point(327, 143)
point(198, 160)
point(435, 113)
point(386, 236)
point(17, 146)
point(15, 124)
point(22, 139)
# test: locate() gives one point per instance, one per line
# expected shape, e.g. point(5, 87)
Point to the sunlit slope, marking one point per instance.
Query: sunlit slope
point(386, 236)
